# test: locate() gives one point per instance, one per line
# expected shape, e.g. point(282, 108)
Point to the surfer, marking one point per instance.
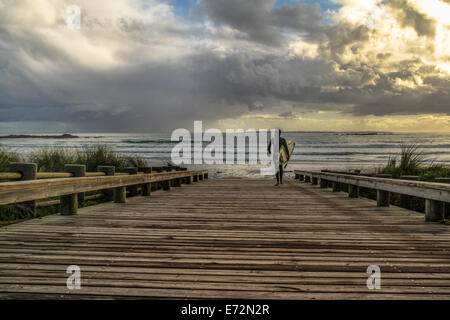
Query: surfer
point(282, 144)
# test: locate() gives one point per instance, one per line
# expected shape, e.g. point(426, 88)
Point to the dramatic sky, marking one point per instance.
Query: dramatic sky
point(157, 65)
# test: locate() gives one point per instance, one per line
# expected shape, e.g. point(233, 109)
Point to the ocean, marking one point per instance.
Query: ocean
point(313, 151)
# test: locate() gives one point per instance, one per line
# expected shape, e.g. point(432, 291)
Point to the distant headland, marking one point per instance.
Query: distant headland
point(365, 133)
point(26, 136)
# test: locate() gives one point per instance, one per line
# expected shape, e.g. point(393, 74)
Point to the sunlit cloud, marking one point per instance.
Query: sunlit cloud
point(138, 66)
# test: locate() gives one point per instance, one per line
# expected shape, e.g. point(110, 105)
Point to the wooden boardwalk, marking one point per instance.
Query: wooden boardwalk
point(225, 239)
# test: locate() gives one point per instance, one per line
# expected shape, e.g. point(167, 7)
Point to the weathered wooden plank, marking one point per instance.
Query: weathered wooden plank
point(229, 238)
point(12, 192)
point(343, 279)
point(247, 274)
point(286, 288)
point(59, 292)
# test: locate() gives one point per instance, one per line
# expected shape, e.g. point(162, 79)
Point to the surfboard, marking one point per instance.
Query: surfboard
point(283, 152)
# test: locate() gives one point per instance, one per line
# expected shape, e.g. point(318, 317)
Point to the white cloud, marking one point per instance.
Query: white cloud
point(135, 62)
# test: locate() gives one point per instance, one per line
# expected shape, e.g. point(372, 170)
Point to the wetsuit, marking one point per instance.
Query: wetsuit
point(282, 143)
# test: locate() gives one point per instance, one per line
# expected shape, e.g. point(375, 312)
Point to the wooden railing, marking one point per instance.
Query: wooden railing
point(71, 185)
point(436, 195)
point(54, 175)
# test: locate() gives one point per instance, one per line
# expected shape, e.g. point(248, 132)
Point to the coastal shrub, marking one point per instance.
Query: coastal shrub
point(6, 158)
point(434, 171)
point(411, 159)
point(11, 213)
point(54, 159)
point(93, 156)
point(413, 162)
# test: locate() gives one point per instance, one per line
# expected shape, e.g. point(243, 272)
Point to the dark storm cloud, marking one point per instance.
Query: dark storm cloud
point(206, 86)
point(287, 115)
point(150, 91)
point(253, 17)
point(408, 102)
point(137, 98)
point(261, 21)
point(410, 17)
point(247, 79)
point(342, 36)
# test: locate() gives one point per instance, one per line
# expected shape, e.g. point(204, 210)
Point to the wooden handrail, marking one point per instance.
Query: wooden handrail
point(50, 203)
point(47, 175)
point(95, 174)
point(435, 194)
point(10, 176)
point(421, 189)
point(20, 191)
point(54, 175)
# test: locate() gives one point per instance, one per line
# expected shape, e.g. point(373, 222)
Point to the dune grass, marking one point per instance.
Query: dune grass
point(412, 161)
point(6, 158)
point(54, 159)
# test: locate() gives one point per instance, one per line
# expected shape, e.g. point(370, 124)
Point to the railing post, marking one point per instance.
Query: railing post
point(336, 186)
point(109, 171)
point(120, 194)
point(446, 206)
point(177, 182)
point(353, 191)
point(134, 188)
point(344, 187)
point(28, 172)
point(434, 210)
point(187, 180)
point(323, 183)
point(172, 182)
point(146, 187)
point(77, 170)
point(315, 181)
point(405, 201)
point(383, 198)
point(166, 185)
point(157, 185)
point(183, 180)
point(69, 204)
